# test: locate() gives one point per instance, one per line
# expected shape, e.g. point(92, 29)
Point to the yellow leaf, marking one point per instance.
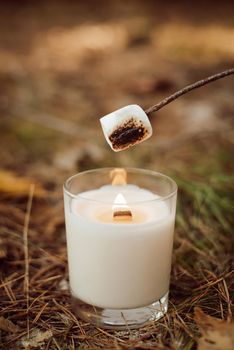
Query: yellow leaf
point(216, 334)
point(13, 185)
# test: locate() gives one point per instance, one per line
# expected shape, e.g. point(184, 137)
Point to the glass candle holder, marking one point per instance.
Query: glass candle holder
point(119, 228)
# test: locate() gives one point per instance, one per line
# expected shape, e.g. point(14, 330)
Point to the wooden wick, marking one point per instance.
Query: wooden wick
point(118, 176)
point(122, 215)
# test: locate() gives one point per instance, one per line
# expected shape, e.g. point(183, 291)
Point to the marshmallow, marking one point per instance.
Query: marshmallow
point(126, 127)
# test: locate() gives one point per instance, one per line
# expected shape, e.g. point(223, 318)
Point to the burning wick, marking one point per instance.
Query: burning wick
point(121, 211)
point(118, 177)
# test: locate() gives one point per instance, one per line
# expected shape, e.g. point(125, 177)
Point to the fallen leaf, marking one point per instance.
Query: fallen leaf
point(8, 326)
point(36, 339)
point(13, 185)
point(216, 334)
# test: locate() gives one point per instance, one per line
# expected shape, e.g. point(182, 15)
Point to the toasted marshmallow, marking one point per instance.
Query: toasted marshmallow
point(126, 127)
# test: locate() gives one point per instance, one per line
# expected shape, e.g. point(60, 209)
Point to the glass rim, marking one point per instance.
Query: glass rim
point(131, 169)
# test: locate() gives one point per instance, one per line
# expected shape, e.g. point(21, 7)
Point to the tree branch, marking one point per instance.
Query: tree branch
point(188, 88)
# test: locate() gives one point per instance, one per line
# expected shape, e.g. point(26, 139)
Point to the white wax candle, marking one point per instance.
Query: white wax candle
point(113, 264)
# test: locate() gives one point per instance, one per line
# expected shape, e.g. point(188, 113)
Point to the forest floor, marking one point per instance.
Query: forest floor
point(61, 69)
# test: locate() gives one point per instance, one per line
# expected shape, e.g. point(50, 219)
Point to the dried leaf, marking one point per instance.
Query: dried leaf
point(13, 185)
point(8, 326)
point(217, 334)
point(37, 338)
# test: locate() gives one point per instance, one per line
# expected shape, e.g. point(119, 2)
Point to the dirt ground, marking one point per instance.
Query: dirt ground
point(63, 65)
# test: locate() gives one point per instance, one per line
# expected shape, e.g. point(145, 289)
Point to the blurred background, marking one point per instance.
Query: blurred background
point(63, 65)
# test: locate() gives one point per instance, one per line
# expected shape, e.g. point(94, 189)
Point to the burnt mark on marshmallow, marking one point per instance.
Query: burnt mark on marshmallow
point(127, 134)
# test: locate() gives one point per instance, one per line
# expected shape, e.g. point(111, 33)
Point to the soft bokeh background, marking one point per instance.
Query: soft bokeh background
point(63, 65)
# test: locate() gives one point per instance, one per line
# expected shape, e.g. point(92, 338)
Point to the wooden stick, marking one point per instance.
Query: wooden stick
point(188, 88)
point(26, 255)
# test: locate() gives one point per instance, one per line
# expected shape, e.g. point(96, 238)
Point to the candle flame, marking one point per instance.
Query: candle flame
point(121, 211)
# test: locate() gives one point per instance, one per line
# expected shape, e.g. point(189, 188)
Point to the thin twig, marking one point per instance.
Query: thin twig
point(26, 256)
point(188, 88)
point(228, 300)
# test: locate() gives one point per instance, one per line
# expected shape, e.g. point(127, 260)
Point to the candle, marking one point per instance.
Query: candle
point(119, 240)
